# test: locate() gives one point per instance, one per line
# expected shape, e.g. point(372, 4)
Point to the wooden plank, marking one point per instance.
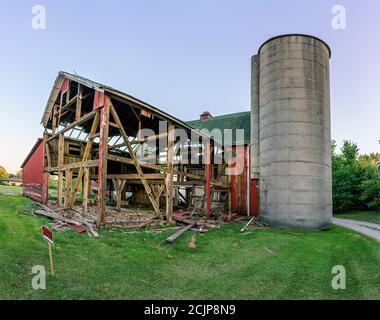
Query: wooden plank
point(135, 161)
point(181, 231)
point(170, 175)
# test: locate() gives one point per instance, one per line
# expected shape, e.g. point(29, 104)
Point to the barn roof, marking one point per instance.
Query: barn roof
point(36, 145)
point(103, 88)
point(240, 120)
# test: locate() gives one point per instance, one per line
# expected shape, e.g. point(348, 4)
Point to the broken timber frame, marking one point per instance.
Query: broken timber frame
point(100, 160)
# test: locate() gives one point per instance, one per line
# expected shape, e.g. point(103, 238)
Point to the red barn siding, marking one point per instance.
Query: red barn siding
point(244, 192)
point(34, 178)
point(239, 183)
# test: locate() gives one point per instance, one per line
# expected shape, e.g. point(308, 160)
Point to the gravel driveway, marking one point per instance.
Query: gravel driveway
point(369, 229)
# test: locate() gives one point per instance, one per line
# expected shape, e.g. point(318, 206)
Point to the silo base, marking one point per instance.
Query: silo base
point(306, 221)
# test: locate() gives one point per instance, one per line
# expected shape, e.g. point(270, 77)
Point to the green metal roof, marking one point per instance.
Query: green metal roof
point(240, 120)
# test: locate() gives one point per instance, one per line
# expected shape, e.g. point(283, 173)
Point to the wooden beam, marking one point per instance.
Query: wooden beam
point(119, 187)
point(170, 174)
point(61, 159)
point(114, 125)
point(135, 161)
point(83, 119)
point(134, 176)
point(150, 138)
point(67, 106)
point(54, 119)
point(85, 191)
point(102, 169)
point(78, 109)
point(68, 184)
point(81, 165)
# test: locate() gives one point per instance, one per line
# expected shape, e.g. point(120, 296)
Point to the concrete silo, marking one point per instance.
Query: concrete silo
point(291, 107)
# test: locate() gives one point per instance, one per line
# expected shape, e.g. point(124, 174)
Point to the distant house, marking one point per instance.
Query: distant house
point(12, 181)
point(244, 192)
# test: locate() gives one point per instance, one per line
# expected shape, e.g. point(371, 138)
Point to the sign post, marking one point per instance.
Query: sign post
point(48, 236)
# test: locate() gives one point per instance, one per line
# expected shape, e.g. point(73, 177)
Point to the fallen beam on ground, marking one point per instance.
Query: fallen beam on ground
point(181, 231)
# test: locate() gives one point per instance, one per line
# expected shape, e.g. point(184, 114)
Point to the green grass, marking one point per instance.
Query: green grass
point(260, 264)
point(10, 188)
point(371, 216)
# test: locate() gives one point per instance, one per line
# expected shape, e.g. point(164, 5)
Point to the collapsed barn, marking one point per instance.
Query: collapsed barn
point(131, 149)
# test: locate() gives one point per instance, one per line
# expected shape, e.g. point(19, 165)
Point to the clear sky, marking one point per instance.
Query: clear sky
point(183, 56)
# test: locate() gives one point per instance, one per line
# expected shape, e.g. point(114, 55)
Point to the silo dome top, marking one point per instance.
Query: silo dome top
point(295, 35)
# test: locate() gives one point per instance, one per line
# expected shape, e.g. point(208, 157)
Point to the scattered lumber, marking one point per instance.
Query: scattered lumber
point(56, 217)
point(181, 231)
point(76, 222)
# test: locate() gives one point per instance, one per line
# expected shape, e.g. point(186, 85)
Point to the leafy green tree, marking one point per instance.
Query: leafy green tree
point(371, 193)
point(3, 173)
point(356, 179)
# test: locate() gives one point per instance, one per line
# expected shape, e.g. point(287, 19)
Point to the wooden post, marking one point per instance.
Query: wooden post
point(78, 108)
point(170, 175)
point(102, 168)
point(68, 183)
point(119, 185)
point(208, 178)
point(85, 188)
point(51, 259)
point(61, 158)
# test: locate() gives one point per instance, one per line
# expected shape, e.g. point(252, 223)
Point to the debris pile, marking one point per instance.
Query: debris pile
point(68, 218)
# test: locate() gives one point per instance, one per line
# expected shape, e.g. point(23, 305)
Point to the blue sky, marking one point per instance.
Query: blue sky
point(181, 56)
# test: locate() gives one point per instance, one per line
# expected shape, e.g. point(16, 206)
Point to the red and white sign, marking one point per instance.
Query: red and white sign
point(47, 234)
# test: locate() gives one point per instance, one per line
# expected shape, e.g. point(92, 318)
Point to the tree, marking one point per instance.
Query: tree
point(3, 173)
point(19, 174)
point(356, 179)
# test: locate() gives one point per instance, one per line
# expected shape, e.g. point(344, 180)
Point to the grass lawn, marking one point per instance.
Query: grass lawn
point(371, 216)
point(266, 264)
point(10, 188)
